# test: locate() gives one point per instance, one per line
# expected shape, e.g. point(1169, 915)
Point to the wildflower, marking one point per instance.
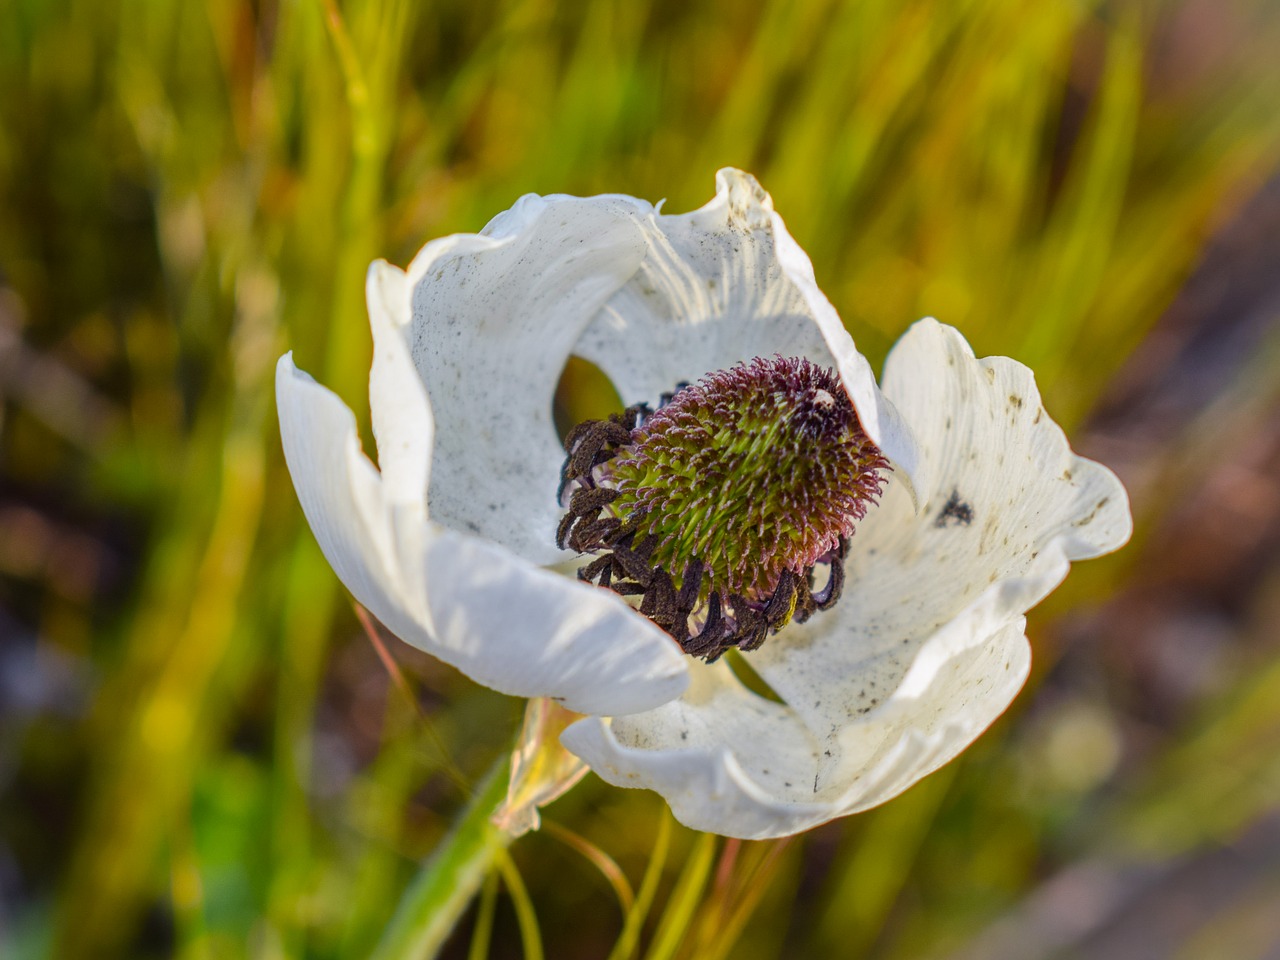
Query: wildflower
point(872, 549)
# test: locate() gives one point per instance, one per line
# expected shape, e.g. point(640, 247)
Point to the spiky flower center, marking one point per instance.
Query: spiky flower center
point(720, 505)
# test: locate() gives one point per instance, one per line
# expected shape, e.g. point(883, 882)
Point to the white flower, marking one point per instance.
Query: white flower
point(984, 510)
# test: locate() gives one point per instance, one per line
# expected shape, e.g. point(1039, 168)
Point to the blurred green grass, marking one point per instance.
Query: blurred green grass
point(187, 190)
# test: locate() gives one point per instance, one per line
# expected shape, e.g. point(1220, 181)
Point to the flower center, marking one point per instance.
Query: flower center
point(719, 508)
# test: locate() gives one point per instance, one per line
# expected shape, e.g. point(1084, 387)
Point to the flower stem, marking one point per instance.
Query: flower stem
point(442, 890)
point(629, 940)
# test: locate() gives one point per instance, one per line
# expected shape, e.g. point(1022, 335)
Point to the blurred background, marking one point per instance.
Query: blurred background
point(202, 753)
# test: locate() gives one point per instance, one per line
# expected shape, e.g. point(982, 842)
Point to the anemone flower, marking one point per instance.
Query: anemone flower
point(868, 550)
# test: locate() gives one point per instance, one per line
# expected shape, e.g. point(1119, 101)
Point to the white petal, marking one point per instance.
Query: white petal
point(723, 284)
point(925, 648)
point(493, 319)
point(503, 621)
point(709, 293)
point(917, 734)
point(339, 489)
point(402, 422)
point(746, 767)
point(981, 422)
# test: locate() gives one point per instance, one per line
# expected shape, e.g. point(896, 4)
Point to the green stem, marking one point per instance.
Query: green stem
point(483, 930)
point(443, 889)
point(684, 900)
point(629, 939)
point(526, 917)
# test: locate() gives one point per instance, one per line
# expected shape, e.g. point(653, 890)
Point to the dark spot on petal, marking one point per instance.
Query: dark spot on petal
point(956, 513)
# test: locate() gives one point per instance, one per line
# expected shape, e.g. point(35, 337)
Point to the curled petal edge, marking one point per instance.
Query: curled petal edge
point(399, 406)
point(1100, 531)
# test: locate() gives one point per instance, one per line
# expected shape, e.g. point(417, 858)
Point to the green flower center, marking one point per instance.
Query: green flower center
point(718, 508)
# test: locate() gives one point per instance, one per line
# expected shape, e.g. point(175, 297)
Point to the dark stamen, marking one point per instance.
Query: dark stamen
point(722, 504)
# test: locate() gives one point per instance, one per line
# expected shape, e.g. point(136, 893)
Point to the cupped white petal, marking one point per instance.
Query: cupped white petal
point(493, 319)
point(473, 604)
point(723, 284)
point(926, 646)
